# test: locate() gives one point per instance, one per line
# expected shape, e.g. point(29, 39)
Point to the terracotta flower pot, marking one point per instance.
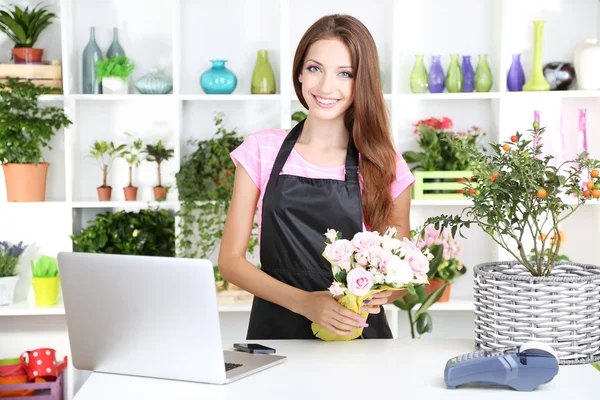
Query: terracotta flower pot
point(27, 55)
point(25, 182)
point(104, 193)
point(160, 192)
point(434, 284)
point(130, 193)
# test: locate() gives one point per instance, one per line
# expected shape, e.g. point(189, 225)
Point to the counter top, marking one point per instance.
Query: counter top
point(359, 369)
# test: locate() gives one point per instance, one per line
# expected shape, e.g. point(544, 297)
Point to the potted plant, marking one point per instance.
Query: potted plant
point(9, 258)
point(131, 155)
point(45, 281)
point(158, 153)
point(24, 27)
point(520, 198)
point(26, 129)
point(105, 153)
point(114, 74)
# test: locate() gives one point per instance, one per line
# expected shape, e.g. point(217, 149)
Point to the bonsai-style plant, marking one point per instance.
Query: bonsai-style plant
point(24, 27)
point(105, 153)
point(45, 281)
point(158, 153)
point(114, 72)
point(26, 130)
point(131, 155)
point(9, 258)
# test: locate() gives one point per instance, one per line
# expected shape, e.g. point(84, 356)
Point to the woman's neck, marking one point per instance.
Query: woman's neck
point(324, 134)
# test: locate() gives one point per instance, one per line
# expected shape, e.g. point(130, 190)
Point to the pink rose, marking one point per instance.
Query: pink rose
point(345, 264)
point(339, 250)
point(418, 262)
point(362, 258)
point(360, 281)
point(331, 235)
point(407, 244)
point(364, 240)
point(336, 289)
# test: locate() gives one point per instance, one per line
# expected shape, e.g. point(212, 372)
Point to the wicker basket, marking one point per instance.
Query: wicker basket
point(562, 310)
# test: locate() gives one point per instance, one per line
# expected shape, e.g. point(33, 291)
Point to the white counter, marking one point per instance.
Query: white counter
point(360, 369)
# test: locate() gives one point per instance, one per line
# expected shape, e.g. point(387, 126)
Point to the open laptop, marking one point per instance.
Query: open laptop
point(149, 316)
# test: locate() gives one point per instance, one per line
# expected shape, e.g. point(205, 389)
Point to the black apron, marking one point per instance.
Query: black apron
point(296, 213)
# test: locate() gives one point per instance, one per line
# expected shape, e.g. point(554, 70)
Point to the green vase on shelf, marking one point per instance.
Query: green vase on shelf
point(263, 78)
point(483, 75)
point(537, 82)
point(419, 82)
point(454, 76)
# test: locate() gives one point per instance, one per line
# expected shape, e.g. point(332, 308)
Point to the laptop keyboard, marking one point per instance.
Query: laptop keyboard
point(230, 366)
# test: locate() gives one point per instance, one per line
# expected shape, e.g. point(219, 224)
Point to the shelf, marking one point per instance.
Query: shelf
point(119, 97)
point(230, 97)
point(554, 94)
point(454, 304)
point(25, 308)
point(436, 203)
point(449, 96)
point(124, 204)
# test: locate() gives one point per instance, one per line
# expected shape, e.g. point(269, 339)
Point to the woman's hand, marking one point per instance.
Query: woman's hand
point(373, 306)
point(322, 308)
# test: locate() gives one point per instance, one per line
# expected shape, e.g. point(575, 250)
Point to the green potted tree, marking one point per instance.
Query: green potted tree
point(26, 129)
point(131, 155)
point(105, 153)
point(158, 153)
point(9, 258)
point(24, 27)
point(114, 74)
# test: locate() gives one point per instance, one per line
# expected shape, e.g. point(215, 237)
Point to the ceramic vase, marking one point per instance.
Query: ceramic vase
point(483, 75)
point(586, 59)
point(437, 80)
point(468, 74)
point(263, 78)
point(418, 76)
point(115, 48)
point(454, 76)
point(537, 81)
point(515, 79)
point(154, 83)
point(218, 79)
point(114, 85)
point(92, 53)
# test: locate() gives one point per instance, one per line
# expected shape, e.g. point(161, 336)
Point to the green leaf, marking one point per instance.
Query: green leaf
point(424, 323)
point(596, 365)
point(411, 289)
point(432, 299)
point(438, 256)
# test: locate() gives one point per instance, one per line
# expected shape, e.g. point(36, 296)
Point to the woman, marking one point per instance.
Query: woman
point(337, 169)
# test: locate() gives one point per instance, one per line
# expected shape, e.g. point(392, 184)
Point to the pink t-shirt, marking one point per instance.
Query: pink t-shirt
point(258, 152)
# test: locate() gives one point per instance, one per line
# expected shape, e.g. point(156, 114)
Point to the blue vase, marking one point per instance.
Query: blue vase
point(437, 80)
point(218, 79)
point(154, 83)
point(516, 76)
point(468, 74)
point(115, 48)
point(91, 54)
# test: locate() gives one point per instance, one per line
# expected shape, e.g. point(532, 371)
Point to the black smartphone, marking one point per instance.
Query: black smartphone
point(253, 348)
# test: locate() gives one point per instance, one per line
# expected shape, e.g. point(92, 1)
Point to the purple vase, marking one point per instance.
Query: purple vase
point(437, 80)
point(516, 76)
point(468, 74)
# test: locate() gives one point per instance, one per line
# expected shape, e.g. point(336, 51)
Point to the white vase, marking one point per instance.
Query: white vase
point(586, 59)
point(114, 86)
point(7, 290)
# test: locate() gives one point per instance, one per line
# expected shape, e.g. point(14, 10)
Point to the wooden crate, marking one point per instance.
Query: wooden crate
point(446, 186)
point(49, 75)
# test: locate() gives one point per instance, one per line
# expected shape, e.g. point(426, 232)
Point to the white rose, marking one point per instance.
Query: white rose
point(339, 250)
point(390, 243)
point(331, 235)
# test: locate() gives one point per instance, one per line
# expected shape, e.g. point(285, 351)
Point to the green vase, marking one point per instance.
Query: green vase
point(483, 75)
point(418, 76)
point(263, 78)
point(537, 81)
point(454, 76)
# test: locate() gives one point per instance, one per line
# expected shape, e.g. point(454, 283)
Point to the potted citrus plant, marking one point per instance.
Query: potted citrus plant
point(131, 155)
point(26, 130)
point(520, 197)
point(114, 74)
point(45, 281)
point(24, 27)
point(158, 153)
point(9, 258)
point(105, 153)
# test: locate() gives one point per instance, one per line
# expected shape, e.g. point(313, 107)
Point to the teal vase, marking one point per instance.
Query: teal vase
point(154, 83)
point(483, 75)
point(91, 54)
point(218, 79)
point(419, 81)
point(115, 48)
point(263, 78)
point(454, 76)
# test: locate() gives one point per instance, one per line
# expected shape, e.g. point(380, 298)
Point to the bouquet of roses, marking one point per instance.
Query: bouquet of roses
point(368, 264)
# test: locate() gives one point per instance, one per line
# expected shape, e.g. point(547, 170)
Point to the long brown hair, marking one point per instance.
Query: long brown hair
point(366, 119)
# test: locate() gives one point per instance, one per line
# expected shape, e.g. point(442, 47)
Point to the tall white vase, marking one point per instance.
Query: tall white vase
point(586, 60)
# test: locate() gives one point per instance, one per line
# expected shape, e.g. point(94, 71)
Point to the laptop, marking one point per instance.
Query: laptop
point(148, 316)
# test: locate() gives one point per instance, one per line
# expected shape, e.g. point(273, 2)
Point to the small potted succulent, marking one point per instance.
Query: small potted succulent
point(45, 281)
point(158, 153)
point(114, 74)
point(131, 155)
point(9, 258)
point(105, 154)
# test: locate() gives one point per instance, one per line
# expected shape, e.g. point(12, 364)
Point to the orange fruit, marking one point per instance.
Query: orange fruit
point(472, 191)
point(595, 173)
point(542, 193)
point(596, 193)
point(590, 185)
point(506, 147)
point(586, 193)
point(493, 177)
point(514, 139)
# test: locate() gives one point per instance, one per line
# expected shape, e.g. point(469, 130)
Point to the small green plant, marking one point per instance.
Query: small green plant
point(105, 153)
point(158, 153)
point(24, 27)
point(114, 67)
point(9, 258)
point(131, 155)
point(44, 267)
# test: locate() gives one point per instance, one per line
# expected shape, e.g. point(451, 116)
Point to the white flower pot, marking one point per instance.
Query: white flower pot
point(586, 59)
point(114, 86)
point(7, 290)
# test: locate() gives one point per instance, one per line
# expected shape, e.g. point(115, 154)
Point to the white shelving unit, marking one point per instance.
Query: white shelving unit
point(181, 36)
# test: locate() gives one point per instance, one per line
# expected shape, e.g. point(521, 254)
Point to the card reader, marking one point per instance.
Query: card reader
point(522, 368)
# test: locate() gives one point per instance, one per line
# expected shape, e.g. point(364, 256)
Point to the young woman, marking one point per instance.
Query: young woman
point(335, 170)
